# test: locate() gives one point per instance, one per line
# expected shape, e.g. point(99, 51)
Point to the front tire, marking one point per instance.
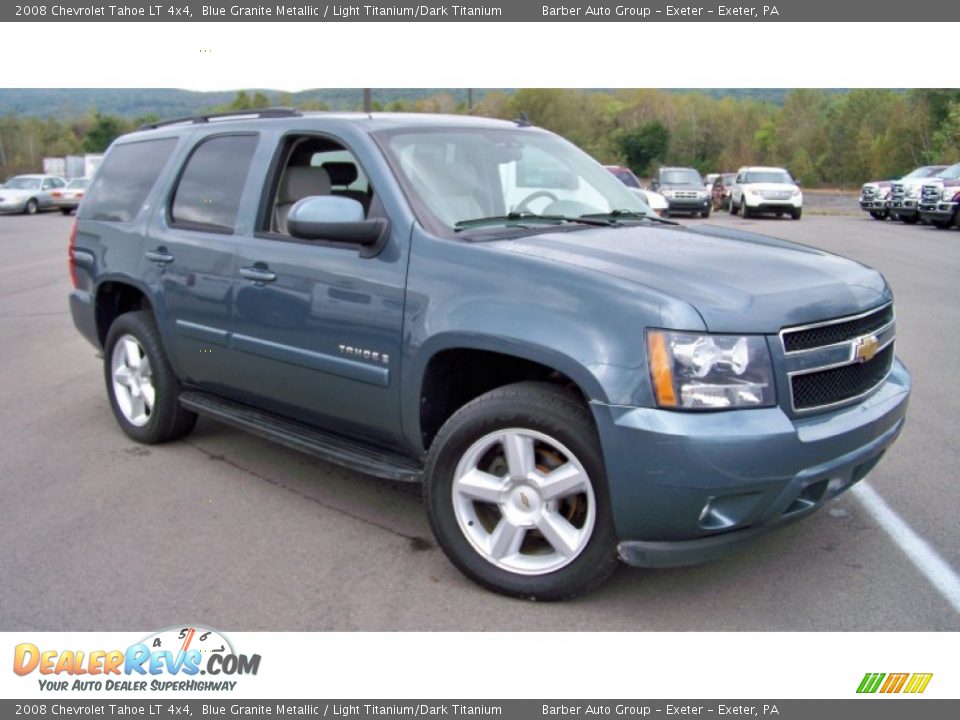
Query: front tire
point(878, 215)
point(143, 391)
point(796, 214)
point(745, 211)
point(66, 211)
point(516, 493)
point(909, 219)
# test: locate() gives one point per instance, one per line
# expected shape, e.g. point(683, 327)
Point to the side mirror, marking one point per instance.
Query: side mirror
point(335, 219)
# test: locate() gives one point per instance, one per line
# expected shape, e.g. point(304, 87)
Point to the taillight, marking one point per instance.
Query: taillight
point(70, 252)
point(57, 193)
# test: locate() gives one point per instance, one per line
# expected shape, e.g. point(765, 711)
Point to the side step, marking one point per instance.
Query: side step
point(295, 435)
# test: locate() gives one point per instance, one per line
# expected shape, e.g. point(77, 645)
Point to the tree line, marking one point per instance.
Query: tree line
point(825, 138)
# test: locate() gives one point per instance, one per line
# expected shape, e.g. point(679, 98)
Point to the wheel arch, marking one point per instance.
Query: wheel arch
point(113, 298)
point(455, 369)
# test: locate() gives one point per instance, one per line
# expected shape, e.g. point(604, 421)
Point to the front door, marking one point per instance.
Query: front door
point(317, 326)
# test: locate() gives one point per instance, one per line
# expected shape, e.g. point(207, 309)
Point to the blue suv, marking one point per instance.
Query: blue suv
point(479, 306)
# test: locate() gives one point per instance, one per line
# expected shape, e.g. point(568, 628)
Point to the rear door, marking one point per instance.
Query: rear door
point(190, 256)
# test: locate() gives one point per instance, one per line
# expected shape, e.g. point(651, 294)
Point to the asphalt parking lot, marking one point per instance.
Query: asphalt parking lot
point(226, 530)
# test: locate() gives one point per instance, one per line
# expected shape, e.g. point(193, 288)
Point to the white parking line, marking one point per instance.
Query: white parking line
point(943, 577)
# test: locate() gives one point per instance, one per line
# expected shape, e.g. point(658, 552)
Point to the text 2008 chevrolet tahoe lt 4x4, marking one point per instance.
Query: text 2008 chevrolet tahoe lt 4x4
point(480, 306)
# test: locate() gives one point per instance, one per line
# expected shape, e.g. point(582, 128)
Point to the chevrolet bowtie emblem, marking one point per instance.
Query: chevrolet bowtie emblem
point(865, 348)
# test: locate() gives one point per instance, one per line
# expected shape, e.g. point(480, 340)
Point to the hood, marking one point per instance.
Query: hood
point(770, 187)
point(879, 184)
point(738, 282)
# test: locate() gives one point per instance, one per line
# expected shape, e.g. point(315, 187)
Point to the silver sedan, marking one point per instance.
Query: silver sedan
point(29, 193)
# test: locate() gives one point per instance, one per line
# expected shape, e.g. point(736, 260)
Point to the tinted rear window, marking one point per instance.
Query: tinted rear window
point(209, 190)
point(124, 179)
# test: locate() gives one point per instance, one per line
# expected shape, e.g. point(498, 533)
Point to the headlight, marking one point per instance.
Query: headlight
point(795, 192)
point(702, 194)
point(667, 193)
point(701, 371)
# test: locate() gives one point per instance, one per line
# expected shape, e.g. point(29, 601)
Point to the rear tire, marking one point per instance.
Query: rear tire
point(31, 207)
point(494, 502)
point(143, 391)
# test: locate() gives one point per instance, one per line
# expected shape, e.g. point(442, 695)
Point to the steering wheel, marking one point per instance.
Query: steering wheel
point(522, 207)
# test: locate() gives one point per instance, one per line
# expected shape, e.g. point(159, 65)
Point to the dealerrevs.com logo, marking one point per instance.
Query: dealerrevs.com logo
point(171, 659)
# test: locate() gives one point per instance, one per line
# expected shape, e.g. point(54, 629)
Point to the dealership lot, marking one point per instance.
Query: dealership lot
point(229, 531)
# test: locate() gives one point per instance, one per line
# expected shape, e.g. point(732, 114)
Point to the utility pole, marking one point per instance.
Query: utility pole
point(367, 100)
point(470, 101)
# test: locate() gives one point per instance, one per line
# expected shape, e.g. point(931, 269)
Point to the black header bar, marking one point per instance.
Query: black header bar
point(497, 11)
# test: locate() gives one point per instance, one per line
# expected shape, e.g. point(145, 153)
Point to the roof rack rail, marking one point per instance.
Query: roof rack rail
point(273, 112)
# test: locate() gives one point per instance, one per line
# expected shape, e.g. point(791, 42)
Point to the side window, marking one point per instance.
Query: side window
point(47, 184)
point(125, 178)
point(314, 165)
point(57, 182)
point(208, 193)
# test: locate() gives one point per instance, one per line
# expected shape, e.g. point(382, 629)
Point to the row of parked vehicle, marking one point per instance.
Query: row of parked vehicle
point(749, 191)
point(930, 194)
point(30, 194)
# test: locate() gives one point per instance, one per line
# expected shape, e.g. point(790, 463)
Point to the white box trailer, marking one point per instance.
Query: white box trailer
point(91, 163)
point(76, 167)
point(55, 166)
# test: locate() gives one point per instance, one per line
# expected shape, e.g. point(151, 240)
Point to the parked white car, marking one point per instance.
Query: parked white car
point(29, 193)
point(657, 202)
point(759, 190)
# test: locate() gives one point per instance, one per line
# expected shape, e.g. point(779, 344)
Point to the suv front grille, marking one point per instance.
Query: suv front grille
point(685, 195)
point(870, 193)
point(831, 333)
point(898, 191)
point(828, 387)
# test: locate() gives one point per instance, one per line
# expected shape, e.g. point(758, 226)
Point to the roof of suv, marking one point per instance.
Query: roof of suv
point(761, 168)
point(372, 121)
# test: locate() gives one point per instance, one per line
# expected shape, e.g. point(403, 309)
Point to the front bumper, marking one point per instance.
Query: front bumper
point(938, 212)
point(874, 205)
point(903, 208)
point(13, 206)
point(691, 487)
point(688, 205)
point(758, 203)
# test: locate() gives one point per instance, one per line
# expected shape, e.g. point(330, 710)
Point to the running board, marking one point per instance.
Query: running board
point(306, 439)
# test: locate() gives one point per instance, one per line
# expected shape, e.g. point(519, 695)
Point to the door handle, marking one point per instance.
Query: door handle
point(161, 255)
point(258, 274)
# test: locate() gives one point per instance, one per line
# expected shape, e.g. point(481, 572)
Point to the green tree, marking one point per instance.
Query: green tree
point(105, 129)
point(643, 145)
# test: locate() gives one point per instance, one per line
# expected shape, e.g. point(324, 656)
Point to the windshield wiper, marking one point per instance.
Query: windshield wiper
point(631, 215)
point(529, 217)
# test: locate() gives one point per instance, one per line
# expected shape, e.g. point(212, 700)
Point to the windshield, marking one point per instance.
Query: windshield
point(951, 173)
point(78, 183)
point(928, 171)
point(625, 176)
point(768, 176)
point(680, 177)
point(465, 174)
point(23, 183)
point(727, 180)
